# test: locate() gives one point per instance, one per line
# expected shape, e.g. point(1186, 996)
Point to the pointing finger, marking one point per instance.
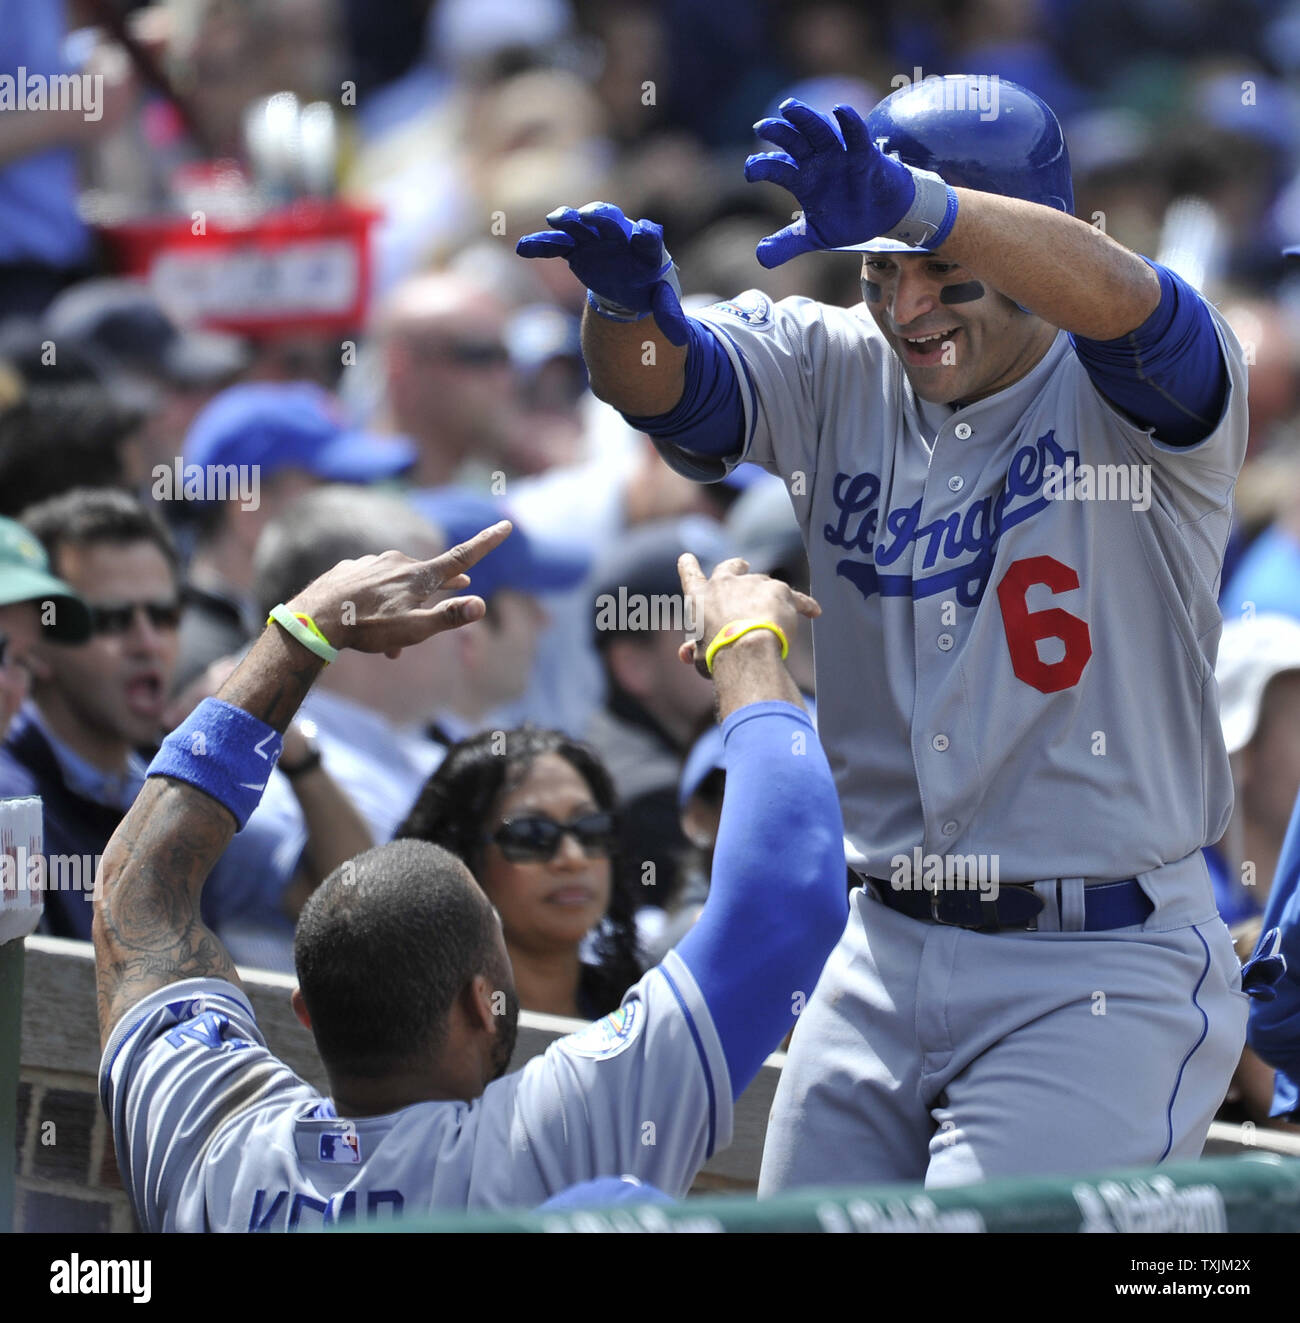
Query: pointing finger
point(453, 563)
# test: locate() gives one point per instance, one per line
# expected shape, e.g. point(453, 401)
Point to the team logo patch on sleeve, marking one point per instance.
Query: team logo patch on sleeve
point(610, 1036)
point(752, 308)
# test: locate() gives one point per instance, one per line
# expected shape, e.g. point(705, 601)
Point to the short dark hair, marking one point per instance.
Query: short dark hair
point(87, 516)
point(383, 948)
point(55, 435)
point(457, 801)
point(330, 524)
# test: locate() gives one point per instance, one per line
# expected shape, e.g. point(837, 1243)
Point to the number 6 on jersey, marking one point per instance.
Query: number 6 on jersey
point(1024, 628)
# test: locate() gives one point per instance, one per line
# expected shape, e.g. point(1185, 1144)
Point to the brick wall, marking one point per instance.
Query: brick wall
point(67, 1178)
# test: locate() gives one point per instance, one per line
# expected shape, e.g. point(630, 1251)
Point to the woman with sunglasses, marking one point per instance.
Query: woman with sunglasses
point(534, 822)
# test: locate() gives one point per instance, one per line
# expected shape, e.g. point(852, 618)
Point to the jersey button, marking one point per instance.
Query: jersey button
point(955, 483)
point(961, 431)
point(945, 642)
point(950, 828)
point(939, 743)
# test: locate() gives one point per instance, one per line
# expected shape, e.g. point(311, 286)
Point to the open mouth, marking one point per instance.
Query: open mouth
point(927, 350)
point(144, 695)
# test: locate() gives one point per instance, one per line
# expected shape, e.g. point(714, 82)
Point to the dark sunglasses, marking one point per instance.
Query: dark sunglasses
point(114, 619)
point(475, 353)
point(536, 839)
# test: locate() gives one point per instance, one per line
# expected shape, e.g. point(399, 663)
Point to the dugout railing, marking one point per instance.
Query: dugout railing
point(1256, 1193)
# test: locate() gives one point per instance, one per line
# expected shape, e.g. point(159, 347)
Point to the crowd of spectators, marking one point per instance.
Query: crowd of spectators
point(557, 746)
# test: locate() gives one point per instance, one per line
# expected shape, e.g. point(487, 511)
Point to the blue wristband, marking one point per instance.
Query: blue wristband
point(223, 751)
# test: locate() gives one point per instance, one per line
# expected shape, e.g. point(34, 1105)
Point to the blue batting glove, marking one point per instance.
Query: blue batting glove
point(849, 190)
point(625, 266)
point(1261, 974)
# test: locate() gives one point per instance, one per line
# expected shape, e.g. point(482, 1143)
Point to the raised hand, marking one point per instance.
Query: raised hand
point(377, 603)
point(849, 190)
point(732, 593)
point(624, 265)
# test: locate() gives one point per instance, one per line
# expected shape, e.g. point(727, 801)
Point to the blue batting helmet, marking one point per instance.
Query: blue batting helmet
point(975, 131)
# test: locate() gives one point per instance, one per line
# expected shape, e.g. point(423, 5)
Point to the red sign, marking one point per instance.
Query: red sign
point(306, 267)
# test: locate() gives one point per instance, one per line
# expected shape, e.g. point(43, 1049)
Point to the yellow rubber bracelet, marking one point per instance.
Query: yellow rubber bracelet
point(737, 629)
point(305, 630)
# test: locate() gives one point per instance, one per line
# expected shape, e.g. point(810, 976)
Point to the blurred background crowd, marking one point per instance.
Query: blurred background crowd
point(282, 250)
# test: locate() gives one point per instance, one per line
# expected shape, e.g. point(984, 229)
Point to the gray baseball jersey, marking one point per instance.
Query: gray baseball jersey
point(1008, 669)
point(997, 645)
point(213, 1133)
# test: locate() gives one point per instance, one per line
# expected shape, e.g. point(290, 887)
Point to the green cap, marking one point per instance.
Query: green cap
point(25, 577)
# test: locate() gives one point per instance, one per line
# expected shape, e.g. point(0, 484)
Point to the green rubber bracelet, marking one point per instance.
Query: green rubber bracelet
point(305, 630)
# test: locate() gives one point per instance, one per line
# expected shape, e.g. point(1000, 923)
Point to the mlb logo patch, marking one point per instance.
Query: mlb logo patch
point(340, 1146)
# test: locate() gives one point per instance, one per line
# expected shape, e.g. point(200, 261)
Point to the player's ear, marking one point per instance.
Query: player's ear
point(480, 997)
point(299, 1005)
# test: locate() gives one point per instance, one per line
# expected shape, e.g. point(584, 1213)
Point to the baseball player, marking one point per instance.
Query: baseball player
point(405, 980)
point(1013, 466)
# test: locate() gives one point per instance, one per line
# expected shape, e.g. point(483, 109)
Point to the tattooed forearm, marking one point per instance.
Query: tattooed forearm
point(147, 930)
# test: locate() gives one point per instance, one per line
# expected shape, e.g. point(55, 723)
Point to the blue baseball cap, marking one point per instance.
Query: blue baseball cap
point(282, 425)
point(523, 563)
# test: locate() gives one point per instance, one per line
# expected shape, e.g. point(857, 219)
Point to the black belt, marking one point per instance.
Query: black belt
point(1106, 905)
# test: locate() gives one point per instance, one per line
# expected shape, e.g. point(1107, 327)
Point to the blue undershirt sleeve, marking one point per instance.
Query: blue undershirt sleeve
point(779, 896)
point(709, 419)
point(1169, 374)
